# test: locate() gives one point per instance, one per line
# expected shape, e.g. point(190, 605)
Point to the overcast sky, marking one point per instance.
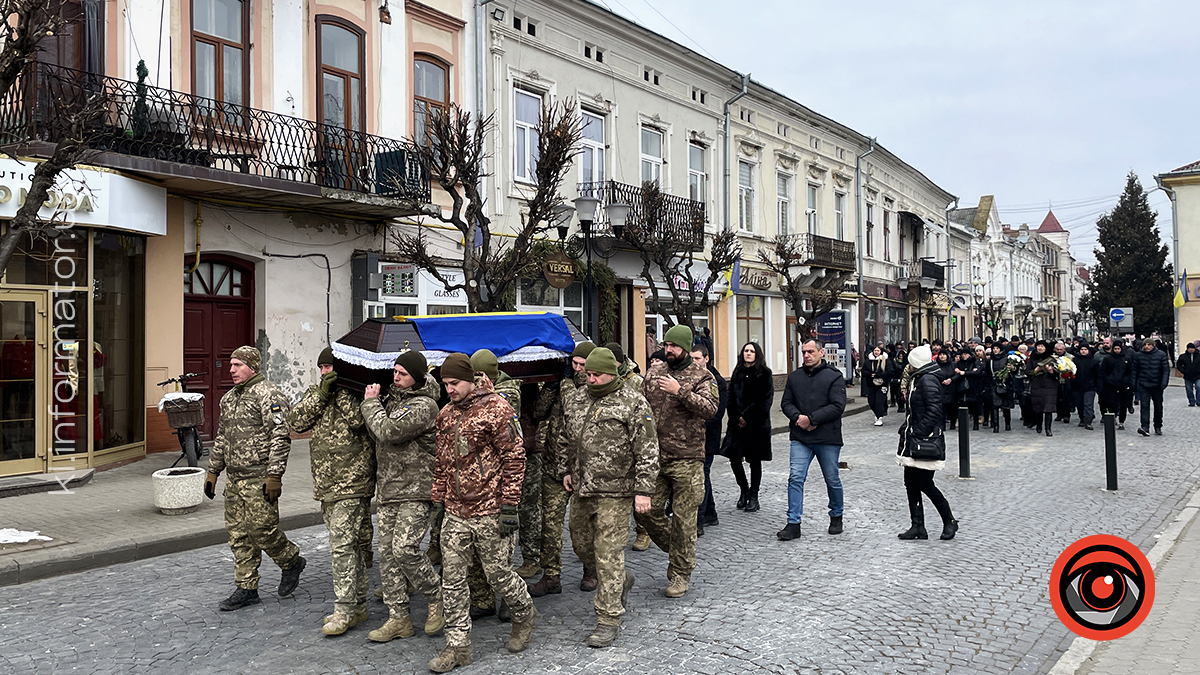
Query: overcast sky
point(1038, 103)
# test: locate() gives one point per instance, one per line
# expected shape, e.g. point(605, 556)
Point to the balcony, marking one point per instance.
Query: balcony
point(201, 147)
point(816, 251)
point(924, 272)
point(1024, 301)
point(673, 221)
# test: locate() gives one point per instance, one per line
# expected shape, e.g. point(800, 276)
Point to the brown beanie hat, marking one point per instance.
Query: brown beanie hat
point(326, 357)
point(414, 363)
point(618, 352)
point(457, 366)
point(248, 355)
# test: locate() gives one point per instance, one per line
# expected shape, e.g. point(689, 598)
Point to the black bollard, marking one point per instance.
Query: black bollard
point(1110, 449)
point(964, 444)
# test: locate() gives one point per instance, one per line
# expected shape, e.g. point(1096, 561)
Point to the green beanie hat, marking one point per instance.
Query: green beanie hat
point(601, 360)
point(326, 357)
point(583, 349)
point(414, 363)
point(484, 361)
point(679, 335)
point(618, 352)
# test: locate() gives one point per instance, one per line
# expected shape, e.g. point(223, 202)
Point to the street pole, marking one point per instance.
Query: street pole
point(964, 444)
point(590, 291)
point(1110, 449)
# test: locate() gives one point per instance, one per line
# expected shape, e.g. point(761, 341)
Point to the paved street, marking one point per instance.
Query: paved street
point(859, 602)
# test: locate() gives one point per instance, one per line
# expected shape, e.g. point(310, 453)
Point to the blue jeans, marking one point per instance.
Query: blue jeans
point(802, 456)
point(1192, 387)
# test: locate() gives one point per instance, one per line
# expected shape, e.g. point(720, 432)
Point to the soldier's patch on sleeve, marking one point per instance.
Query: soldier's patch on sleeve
point(277, 411)
point(712, 389)
point(399, 413)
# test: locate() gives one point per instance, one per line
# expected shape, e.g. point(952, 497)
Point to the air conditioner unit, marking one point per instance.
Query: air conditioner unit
point(396, 172)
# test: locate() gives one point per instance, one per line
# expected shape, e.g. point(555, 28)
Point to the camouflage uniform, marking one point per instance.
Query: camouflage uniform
point(680, 422)
point(403, 428)
point(480, 464)
point(483, 598)
point(251, 443)
point(530, 510)
point(632, 381)
point(614, 457)
point(555, 497)
point(343, 468)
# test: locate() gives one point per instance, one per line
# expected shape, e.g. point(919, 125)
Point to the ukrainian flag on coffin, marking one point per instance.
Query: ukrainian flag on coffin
point(1181, 293)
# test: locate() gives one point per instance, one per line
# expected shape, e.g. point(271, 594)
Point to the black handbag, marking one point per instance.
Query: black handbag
point(877, 381)
point(932, 448)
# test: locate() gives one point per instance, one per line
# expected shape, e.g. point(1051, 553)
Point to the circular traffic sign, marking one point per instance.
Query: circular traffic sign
point(1116, 314)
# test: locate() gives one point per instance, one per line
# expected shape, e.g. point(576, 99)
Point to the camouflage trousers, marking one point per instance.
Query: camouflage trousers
point(402, 526)
point(462, 538)
point(599, 530)
point(530, 509)
point(554, 514)
point(682, 480)
point(344, 520)
point(253, 526)
point(435, 536)
point(366, 537)
point(483, 597)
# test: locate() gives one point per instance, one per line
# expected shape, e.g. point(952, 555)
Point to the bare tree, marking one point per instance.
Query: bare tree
point(669, 241)
point(785, 257)
point(992, 313)
point(456, 155)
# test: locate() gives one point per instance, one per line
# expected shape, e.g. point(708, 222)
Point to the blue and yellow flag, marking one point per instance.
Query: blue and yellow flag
point(1181, 292)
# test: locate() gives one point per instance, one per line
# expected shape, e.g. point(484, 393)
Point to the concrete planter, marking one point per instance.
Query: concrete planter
point(178, 491)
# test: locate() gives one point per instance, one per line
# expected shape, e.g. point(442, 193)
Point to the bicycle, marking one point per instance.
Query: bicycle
point(185, 412)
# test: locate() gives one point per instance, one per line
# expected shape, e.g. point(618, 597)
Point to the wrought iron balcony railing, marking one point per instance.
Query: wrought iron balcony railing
point(673, 220)
point(930, 273)
point(171, 126)
point(818, 251)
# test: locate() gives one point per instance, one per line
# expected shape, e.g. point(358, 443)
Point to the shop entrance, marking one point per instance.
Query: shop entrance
point(23, 374)
point(218, 317)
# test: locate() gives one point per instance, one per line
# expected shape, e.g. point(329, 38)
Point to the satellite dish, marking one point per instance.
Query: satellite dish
point(960, 302)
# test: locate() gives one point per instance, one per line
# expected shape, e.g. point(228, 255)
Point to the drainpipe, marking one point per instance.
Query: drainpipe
point(729, 144)
point(858, 210)
point(1174, 243)
point(480, 32)
point(950, 263)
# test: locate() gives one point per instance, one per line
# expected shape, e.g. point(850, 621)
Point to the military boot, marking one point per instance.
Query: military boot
point(603, 636)
point(677, 588)
point(340, 622)
point(522, 632)
point(357, 617)
point(642, 542)
point(589, 582)
point(529, 569)
point(451, 658)
point(549, 584)
point(241, 597)
point(392, 629)
point(290, 577)
point(436, 620)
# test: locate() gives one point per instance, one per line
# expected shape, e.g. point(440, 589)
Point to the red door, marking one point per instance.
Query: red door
point(217, 319)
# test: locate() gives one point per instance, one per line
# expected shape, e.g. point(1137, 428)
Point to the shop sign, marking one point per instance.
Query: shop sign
point(439, 292)
point(87, 198)
point(754, 278)
point(559, 270)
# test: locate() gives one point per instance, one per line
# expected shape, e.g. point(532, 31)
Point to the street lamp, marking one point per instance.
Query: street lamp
point(1017, 243)
point(585, 210)
point(977, 286)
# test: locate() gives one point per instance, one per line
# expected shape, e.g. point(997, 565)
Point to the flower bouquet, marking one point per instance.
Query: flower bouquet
point(1013, 365)
point(1065, 368)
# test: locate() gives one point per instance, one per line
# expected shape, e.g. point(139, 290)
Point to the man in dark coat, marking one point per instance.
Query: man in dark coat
point(1083, 387)
point(1188, 365)
point(712, 440)
point(1151, 372)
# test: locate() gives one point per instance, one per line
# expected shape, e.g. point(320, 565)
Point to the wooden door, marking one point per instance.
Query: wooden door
point(217, 319)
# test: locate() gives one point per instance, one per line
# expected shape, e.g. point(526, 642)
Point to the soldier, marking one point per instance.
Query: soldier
point(477, 481)
point(554, 497)
point(403, 428)
point(343, 468)
point(625, 368)
point(613, 467)
point(252, 442)
point(683, 396)
point(530, 510)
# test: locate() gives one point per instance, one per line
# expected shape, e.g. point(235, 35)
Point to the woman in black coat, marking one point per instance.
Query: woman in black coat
point(1003, 389)
point(949, 381)
point(1115, 378)
point(1043, 386)
point(751, 393)
point(971, 384)
point(924, 420)
point(876, 375)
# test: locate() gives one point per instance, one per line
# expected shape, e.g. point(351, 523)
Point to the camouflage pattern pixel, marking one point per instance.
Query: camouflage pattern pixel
point(343, 519)
point(366, 537)
point(684, 479)
point(340, 450)
point(530, 509)
point(461, 539)
point(402, 526)
point(573, 406)
point(480, 460)
point(612, 446)
point(632, 380)
point(555, 499)
point(602, 526)
point(253, 526)
point(252, 434)
point(509, 389)
point(482, 595)
point(680, 417)
point(403, 429)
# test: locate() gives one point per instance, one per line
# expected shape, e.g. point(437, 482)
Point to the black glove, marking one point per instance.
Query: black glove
point(327, 381)
point(210, 485)
point(509, 521)
point(437, 512)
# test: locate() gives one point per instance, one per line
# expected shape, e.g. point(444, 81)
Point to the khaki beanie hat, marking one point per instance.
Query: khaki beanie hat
point(484, 361)
point(602, 360)
point(326, 357)
point(679, 335)
point(583, 349)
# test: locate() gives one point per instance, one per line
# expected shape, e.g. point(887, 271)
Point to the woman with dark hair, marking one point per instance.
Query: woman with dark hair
point(949, 381)
point(877, 373)
point(1043, 386)
point(751, 392)
point(1003, 392)
point(1114, 380)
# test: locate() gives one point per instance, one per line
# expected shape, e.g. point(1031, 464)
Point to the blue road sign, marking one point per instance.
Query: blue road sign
point(1116, 315)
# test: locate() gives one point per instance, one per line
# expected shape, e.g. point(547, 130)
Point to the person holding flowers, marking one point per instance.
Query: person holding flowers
point(1042, 369)
point(1003, 369)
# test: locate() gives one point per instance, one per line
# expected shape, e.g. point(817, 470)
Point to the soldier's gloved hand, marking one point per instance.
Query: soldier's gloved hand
point(437, 512)
point(509, 521)
point(327, 382)
point(210, 485)
point(273, 488)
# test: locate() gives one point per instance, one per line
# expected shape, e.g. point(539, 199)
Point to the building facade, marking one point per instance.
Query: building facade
point(1183, 186)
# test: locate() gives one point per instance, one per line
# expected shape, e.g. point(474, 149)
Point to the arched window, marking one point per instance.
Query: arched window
point(431, 90)
point(340, 87)
point(216, 279)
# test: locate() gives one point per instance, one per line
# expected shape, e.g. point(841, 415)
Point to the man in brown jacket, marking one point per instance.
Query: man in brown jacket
point(683, 396)
point(477, 476)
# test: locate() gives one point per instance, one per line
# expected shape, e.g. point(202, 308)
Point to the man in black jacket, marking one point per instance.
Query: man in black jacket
point(712, 440)
point(1151, 371)
point(1188, 364)
point(814, 400)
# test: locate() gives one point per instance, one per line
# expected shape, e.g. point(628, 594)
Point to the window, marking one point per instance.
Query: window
point(537, 294)
point(699, 95)
point(870, 318)
point(781, 129)
point(517, 22)
point(697, 175)
point(746, 196)
point(751, 320)
point(431, 87)
point(527, 109)
point(592, 156)
point(887, 235)
point(811, 211)
point(652, 155)
point(870, 237)
point(591, 51)
point(118, 332)
point(531, 27)
point(814, 142)
point(650, 75)
point(219, 66)
point(900, 221)
point(839, 215)
point(746, 116)
point(340, 87)
point(783, 198)
point(893, 324)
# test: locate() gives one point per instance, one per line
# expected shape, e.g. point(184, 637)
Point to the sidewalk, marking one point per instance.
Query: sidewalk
point(854, 405)
point(112, 519)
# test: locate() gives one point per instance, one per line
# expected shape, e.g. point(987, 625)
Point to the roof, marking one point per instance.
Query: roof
point(1050, 225)
point(964, 216)
point(1194, 166)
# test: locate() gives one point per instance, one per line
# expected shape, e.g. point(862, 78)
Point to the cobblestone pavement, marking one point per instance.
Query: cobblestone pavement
point(859, 602)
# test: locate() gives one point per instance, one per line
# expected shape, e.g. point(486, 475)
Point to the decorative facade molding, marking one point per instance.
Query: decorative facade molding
point(434, 17)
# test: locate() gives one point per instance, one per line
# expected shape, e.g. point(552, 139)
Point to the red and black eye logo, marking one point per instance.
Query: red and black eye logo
point(1102, 587)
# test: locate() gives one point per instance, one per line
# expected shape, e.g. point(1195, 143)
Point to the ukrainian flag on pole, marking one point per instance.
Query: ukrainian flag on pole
point(1181, 293)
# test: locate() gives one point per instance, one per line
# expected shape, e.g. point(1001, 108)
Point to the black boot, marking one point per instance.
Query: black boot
point(949, 528)
point(975, 427)
point(1007, 421)
point(917, 511)
point(242, 597)
point(752, 501)
point(995, 426)
point(741, 502)
point(290, 577)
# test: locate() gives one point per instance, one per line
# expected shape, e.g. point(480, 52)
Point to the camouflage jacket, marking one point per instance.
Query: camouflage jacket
point(252, 433)
point(341, 452)
point(510, 389)
point(613, 447)
point(550, 407)
point(480, 457)
point(633, 381)
point(680, 417)
point(573, 404)
point(402, 425)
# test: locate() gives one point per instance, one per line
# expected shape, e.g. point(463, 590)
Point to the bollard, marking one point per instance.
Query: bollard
point(964, 444)
point(1110, 449)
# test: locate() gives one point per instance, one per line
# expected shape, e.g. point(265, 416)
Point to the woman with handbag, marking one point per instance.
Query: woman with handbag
point(949, 382)
point(1043, 386)
point(922, 448)
point(751, 393)
point(877, 372)
point(1003, 394)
